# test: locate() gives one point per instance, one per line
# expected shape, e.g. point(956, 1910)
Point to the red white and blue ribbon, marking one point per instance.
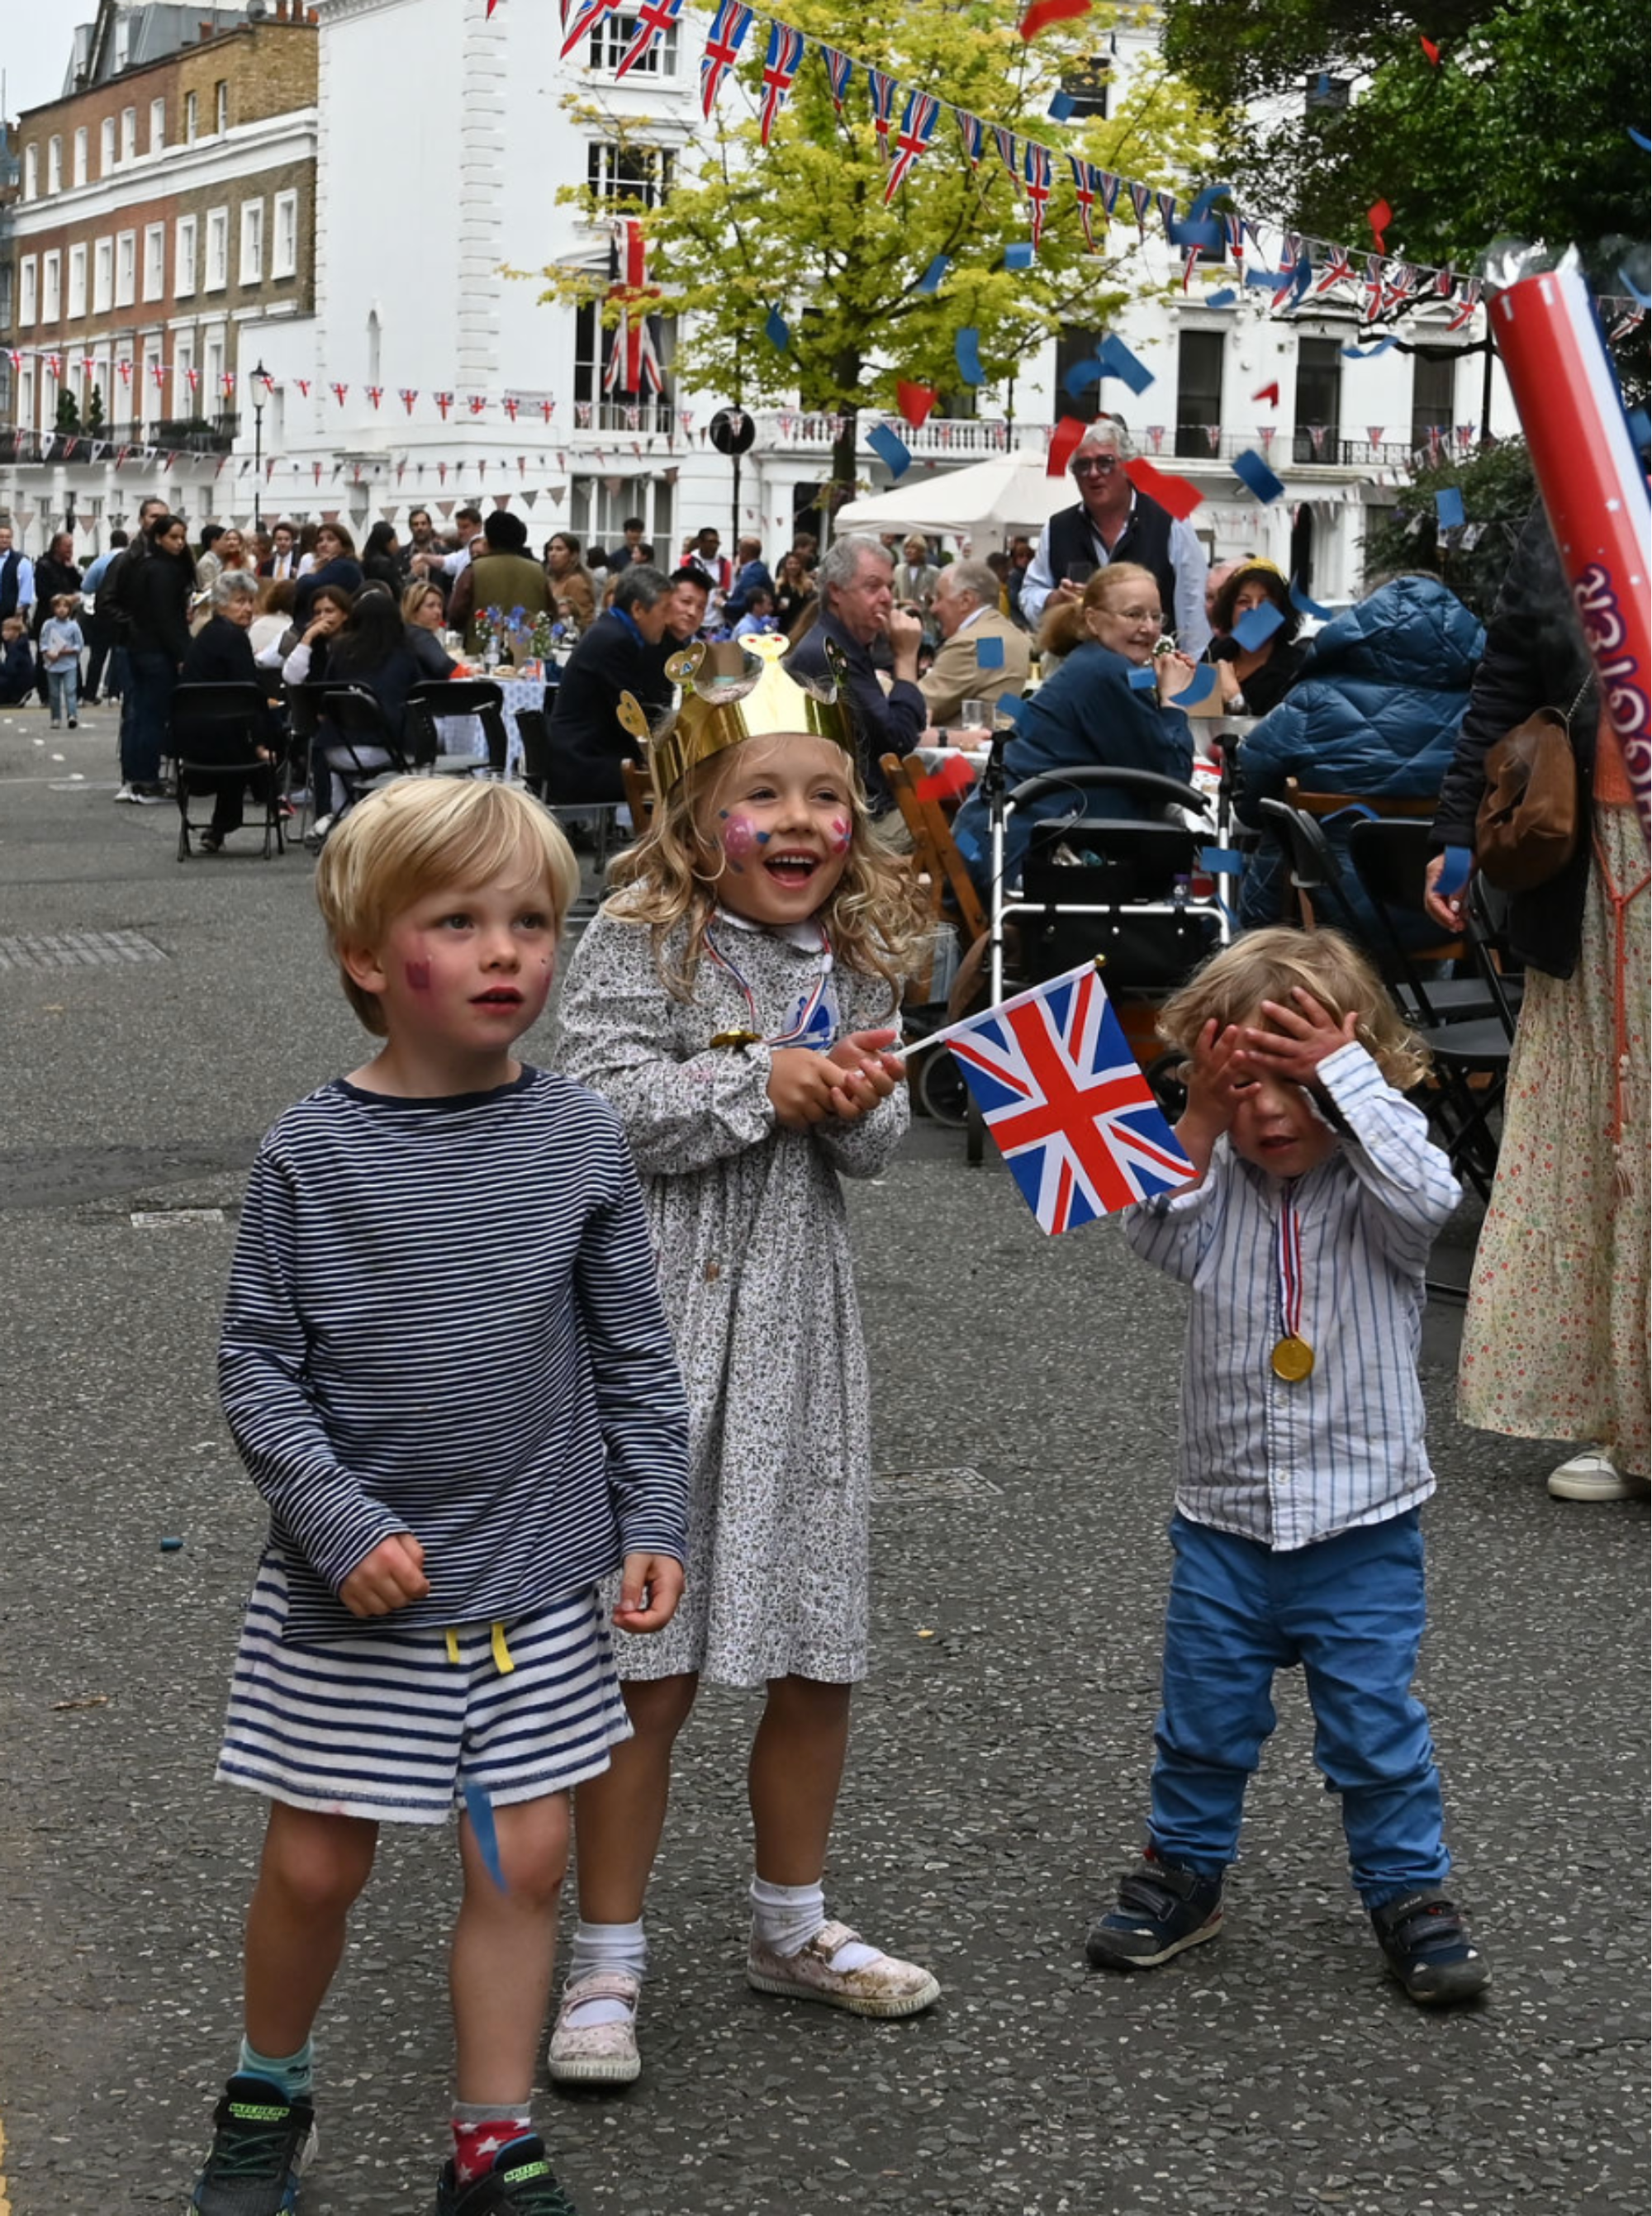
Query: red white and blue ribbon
point(1290, 1268)
point(780, 66)
point(723, 45)
point(917, 129)
point(807, 1015)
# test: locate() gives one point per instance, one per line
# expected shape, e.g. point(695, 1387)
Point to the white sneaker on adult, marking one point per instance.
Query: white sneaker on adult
point(838, 1968)
point(593, 2045)
point(1591, 1475)
point(126, 791)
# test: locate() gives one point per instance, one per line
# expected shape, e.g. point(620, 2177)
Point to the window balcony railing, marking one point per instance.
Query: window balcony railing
point(642, 418)
point(195, 434)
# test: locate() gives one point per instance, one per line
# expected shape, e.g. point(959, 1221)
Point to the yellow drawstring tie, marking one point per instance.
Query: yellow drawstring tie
point(503, 1661)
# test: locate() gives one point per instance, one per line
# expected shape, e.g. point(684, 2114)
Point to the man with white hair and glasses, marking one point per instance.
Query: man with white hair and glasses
point(1111, 521)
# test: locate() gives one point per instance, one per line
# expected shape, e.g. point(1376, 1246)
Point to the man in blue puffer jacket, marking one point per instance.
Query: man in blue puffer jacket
point(1375, 712)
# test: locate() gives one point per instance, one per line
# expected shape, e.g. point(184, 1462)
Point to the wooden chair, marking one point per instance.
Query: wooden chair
point(639, 795)
point(1402, 808)
point(935, 856)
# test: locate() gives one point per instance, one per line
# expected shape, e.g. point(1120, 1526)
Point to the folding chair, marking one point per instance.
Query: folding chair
point(598, 817)
point(215, 731)
point(431, 705)
point(356, 726)
point(1312, 868)
point(1390, 860)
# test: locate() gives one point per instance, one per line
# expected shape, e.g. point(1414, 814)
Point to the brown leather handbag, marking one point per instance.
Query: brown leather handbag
point(1532, 814)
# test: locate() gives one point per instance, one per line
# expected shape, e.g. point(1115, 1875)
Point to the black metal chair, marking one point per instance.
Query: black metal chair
point(595, 823)
point(1390, 859)
point(216, 732)
point(431, 705)
point(355, 727)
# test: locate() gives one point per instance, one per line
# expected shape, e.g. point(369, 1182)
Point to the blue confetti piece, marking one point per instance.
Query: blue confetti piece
point(1224, 298)
point(1117, 360)
point(1448, 508)
point(175, 1546)
point(966, 352)
point(1060, 107)
point(1257, 626)
point(1221, 861)
point(1206, 200)
point(1455, 874)
point(1626, 280)
point(1641, 139)
point(1208, 238)
point(1011, 707)
point(776, 332)
point(1304, 606)
point(1640, 429)
point(1252, 470)
point(1080, 378)
point(989, 653)
point(1370, 353)
point(1019, 254)
point(930, 280)
point(1199, 686)
point(890, 449)
point(1143, 680)
point(479, 1809)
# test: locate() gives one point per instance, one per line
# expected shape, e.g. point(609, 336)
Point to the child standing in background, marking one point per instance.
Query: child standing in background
point(732, 1001)
point(1303, 1463)
point(61, 648)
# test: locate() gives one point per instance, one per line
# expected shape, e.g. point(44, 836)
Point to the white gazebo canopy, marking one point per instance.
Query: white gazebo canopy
point(984, 503)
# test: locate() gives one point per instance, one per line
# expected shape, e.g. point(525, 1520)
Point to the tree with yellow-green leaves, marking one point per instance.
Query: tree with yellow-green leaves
point(801, 228)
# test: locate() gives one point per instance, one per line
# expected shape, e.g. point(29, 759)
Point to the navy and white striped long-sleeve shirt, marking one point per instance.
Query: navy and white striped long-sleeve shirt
point(1287, 1464)
point(444, 1317)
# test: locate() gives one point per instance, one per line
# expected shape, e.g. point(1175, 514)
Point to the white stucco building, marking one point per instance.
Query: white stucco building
point(442, 140)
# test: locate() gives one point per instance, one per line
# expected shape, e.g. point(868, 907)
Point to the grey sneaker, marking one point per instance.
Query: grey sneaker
point(261, 2143)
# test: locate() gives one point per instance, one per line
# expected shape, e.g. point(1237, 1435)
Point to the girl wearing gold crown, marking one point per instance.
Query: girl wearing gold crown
point(734, 1001)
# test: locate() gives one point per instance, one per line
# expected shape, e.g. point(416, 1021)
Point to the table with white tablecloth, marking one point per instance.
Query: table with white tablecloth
point(465, 735)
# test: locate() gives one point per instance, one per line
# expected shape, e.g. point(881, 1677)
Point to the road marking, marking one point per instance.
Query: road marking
point(5, 2198)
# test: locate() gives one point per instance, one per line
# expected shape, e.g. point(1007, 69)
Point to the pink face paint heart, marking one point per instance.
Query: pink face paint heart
point(417, 975)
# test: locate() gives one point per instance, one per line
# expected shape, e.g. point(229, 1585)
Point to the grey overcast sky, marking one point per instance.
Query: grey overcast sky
point(35, 42)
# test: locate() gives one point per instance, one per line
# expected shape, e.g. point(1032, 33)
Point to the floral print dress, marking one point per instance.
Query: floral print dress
point(752, 1237)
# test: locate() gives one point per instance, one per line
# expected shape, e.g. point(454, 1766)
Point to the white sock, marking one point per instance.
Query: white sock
point(786, 1917)
point(605, 1946)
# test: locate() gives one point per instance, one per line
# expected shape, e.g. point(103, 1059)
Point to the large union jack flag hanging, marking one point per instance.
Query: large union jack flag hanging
point(654, 19)
point(1063, 1097)
point(917, 129)
point(780, 66)
point(727, 36)
point(633, 363)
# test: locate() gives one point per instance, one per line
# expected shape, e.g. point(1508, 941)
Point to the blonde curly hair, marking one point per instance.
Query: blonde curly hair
point(1264, 965)
point(872, 917)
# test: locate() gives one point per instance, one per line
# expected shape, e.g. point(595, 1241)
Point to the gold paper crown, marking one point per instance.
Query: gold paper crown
point(731, 691)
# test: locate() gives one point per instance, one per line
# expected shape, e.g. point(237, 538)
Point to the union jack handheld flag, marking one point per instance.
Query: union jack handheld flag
point(1063, 1097)
point(723, 45)
point(654, 19)
point(917, 129)
point(780, 66)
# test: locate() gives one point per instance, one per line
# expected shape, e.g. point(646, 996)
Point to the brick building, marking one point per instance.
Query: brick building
point(164, 202)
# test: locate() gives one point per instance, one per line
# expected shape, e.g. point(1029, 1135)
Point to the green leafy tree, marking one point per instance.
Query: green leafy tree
point(1520, 131)
point(801, 228)
point(1498, 489)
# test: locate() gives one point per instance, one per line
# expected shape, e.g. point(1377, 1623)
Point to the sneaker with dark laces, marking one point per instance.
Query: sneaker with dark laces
point(1161, 1909)
point(519, 2183)
point(1429, 1951)
point(260, 2144)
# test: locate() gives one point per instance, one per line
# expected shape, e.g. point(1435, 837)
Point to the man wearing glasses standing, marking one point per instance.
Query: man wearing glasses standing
point(1113, 521)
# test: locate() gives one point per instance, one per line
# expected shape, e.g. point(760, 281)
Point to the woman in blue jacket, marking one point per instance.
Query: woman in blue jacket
point(1375, 712)
point(1091, 714)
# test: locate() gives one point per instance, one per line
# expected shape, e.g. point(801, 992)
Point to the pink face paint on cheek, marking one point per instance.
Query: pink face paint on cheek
point(843, 834)
point(739, 837)
point(417, 975)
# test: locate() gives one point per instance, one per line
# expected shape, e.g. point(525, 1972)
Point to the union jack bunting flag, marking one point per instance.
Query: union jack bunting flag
point(727, 36)
point(1337, 267)
point(1399, 284)
point(1233, 225)
point(780, 66)
point(1009, 150)
point(973, 132)
point(654, 19)
point(579, 22)
point(1446, 284)
point(840, 74)
point(1141, 199)
point(1167, 213)
point(1039, 182)
point(917, 129)
point(883, 88)
point(1085, 180)
point(1061, 1095)
point(1107, 185)
point(1468, 303)
point(1373, 283)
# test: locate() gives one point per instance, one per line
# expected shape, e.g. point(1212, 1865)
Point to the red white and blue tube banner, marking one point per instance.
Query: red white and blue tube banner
point(1593, 487)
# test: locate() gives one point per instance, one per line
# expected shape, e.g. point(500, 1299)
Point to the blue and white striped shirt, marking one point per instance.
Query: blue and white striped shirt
point(444, 1317)
point(1287, 1464)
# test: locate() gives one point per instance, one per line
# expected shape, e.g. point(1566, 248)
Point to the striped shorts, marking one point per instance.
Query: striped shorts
point(394, 1725)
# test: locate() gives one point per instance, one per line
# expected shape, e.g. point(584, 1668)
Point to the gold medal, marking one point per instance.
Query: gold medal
point(1292, 1359)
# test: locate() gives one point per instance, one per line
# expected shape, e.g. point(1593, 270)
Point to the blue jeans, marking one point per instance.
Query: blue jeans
point(63, 684)
point(1350, 1610)
point(144, 726)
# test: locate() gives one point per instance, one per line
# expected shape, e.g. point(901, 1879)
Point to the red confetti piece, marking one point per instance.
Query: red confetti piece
point(1268, 392)
point(1379, 215)
point(1429, 48)
point(914, 401)
point(1043, 12)
point(1063, 445)
point(1175, 494)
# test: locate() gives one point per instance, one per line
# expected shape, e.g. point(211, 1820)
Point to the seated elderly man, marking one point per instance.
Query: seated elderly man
point(617, 654)
point(220, 653)
point(966, 612)
point(1111, 521)
point(857, 615)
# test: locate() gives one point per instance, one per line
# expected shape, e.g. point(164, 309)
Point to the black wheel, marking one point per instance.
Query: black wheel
point(942, 1094)
point(1169, 1088)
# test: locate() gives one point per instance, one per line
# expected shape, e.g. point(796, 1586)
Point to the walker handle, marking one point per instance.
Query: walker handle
point(1147, 782)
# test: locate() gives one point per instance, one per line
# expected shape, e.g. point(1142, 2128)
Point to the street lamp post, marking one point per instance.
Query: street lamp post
point(260, 388)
